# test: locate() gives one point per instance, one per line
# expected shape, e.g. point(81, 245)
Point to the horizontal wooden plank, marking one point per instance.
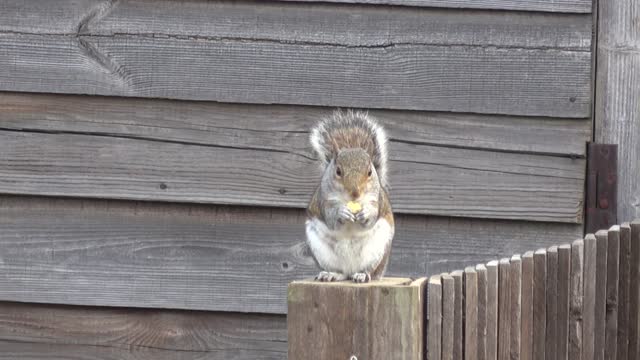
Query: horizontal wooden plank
point(299, 22)
point(579, 6)
point(180, 151)
point(543, 82)
point(33, 331)
point(281, 127)
point(142, 254)
point(424, 179)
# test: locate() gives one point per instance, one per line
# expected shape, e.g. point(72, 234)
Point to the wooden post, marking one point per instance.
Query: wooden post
point(482, 311)
point(458, 314)
point(575, 306)
point(617, 95)
point(564, 286)
point(539, 303)
point(634, 295)
point(337, 321)
point(526, 326)
point(589, 298)
point(448, 316)
point(492, 310)
point(515, 282)
point(504, 311)
point(613, 261)
point(601, 295)
point(470, 314)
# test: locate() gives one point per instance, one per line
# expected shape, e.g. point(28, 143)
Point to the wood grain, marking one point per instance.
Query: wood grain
point(617, 98)
point(504, 310)
point(280, 127)
point(589, 297)
point(536, 5)
point(411, 77)
point(434, 320)
point(601, 295)
point(564, 286)
point(470, 314)
point(425, 179)
point(481, 270)
point(551, 335)
point(539, 303)
point(389, 317)
point(27, 330)
point(575, 309)
point(515, 297)
point(492, 309)
point(458, 327)
point(448, 316)
point(526, 344)
point(634, 303)
point(613, 263)
point(623, 292)
point(146, 254)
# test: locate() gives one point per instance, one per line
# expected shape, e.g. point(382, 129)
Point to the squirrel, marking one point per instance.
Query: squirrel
point(350, 224)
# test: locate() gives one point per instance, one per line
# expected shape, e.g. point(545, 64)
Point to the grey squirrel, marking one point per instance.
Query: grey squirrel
point(350, 224)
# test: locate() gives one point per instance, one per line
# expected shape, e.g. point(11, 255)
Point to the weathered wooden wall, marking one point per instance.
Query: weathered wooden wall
point(153, 154)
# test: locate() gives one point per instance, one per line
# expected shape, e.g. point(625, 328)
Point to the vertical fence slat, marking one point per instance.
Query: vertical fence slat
point(623, 292)
point(448, 316)
point(481, 270)
point(434, 318)
point(504, 307)
point(539, 303)
point(564, 285)
point(600, 317)
point(551, 335)
point(515, 278)
point(575, 319)
point(471, 314)
point(458, 314)
point(613, 252)
point(526, 345)
point(589, 297)
point(634, 303)
point(492, 310)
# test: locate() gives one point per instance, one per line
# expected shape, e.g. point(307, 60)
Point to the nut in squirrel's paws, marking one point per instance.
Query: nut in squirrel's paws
point(326, 276)
point(346, 215)
point(354, 207)
point(361, 277)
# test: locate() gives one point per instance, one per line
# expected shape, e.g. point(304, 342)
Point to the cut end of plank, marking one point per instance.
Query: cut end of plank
point(615, 228)
point(384, 282)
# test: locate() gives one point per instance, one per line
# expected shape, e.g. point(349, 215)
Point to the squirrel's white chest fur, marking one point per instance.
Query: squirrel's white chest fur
point(349, 249)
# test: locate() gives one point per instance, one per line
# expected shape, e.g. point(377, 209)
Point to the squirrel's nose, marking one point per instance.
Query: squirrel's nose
point(355, 194)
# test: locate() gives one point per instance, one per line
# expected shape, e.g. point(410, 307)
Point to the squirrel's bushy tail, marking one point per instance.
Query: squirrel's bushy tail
point(351, 129)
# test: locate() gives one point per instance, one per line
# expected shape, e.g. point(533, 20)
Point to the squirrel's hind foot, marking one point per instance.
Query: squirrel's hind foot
point(326, 276)
point(361, 277)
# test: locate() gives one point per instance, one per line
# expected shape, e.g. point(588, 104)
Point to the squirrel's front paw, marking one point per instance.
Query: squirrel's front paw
point(361, 277)
point(326, 276)
point(345, 215)
point(364, 218)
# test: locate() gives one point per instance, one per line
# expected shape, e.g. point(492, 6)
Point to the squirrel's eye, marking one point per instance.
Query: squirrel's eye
point(339, 172)
point(369, 173)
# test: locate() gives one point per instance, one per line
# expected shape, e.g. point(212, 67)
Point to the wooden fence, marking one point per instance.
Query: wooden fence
point(578, 301)
point(573, 301)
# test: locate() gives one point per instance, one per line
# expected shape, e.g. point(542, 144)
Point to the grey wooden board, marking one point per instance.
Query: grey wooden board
point(150, 254)
point(504, 310)
point(526, 344)
point(492, 309)
point(32, 331)
point(533, 82)
point(281, 127)
point(458, 313)
point(634, 305)
point(515, 298)
point(470, 314)
point(536, 5)
point(425, 179)
point(576, 305)
point(623, 292)
point(589, 297)
point(613, 262)
point(481, 270)
point(551, 334)
point(601, 294)
point(617, 96)
point(434, 318)
point(539, 303)
point(564, 286)
point(448, 316)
